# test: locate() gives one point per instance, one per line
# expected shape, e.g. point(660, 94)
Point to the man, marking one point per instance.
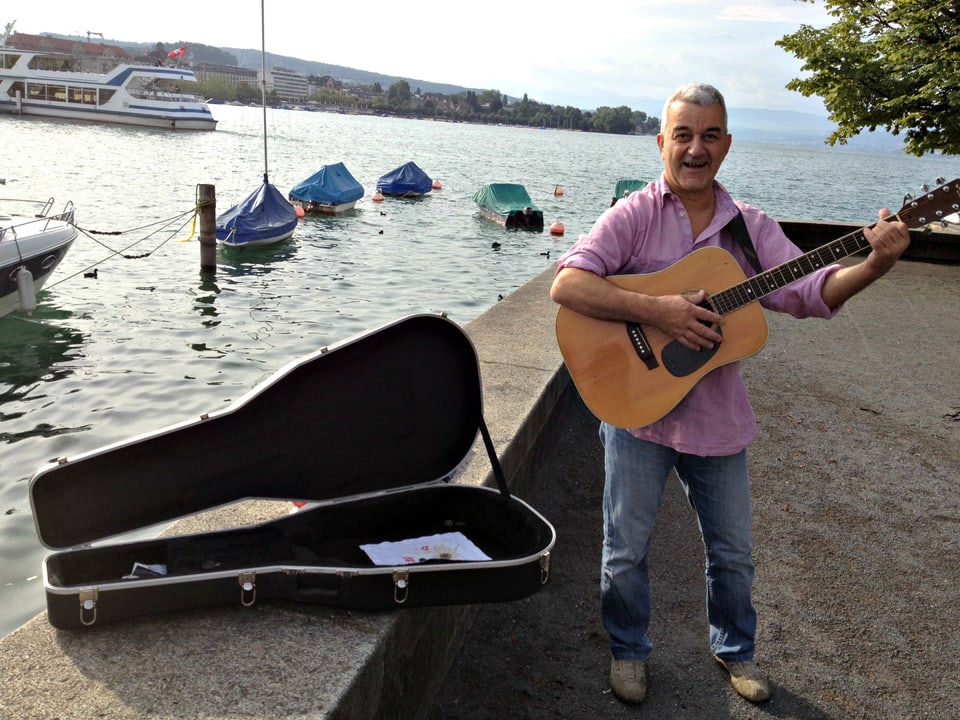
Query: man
point(704, 438)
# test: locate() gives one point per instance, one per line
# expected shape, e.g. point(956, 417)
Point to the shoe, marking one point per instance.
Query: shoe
point(746, 679)
point(628, 679)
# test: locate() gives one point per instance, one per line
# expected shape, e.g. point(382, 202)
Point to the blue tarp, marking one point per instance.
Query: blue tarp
point(408, 179)
point(330, 184)
point(264, 216)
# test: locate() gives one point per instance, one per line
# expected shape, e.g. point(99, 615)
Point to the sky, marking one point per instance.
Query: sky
point(632, 52)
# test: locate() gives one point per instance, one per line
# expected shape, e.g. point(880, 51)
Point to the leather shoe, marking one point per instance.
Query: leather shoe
point(628, 679)
point(747, 679)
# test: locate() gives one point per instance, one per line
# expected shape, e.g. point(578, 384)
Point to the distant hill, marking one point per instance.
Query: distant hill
point(788, 127)
point(247, 58)
point(772, 126)
point(250, 59)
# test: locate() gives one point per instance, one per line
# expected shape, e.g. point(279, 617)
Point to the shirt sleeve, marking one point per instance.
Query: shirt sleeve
point(609, 247)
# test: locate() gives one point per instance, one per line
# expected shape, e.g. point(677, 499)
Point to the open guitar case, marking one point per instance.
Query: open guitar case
point(369, 431)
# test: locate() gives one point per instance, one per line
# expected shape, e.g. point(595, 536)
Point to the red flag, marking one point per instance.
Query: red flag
point(176, 53)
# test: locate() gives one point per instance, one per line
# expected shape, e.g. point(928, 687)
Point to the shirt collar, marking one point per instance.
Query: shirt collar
point(726, 207)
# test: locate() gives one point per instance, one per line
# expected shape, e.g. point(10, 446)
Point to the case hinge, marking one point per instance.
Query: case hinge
point(248, 588)
point(401, 586)
point(88, 605)
point(544, 568)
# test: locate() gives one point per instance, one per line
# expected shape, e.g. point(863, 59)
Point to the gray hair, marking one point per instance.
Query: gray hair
point(696, 94)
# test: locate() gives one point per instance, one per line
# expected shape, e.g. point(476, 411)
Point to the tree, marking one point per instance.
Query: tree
point(886, 63)
point(613, 120)
point(399, 93)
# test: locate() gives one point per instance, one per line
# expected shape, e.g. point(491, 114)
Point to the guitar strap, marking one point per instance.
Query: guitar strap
point(738, 228)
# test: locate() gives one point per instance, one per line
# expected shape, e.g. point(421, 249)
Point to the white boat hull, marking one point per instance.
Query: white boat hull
point(280, 237)
point(184, 118)
point(316, 208)
point(39, 244)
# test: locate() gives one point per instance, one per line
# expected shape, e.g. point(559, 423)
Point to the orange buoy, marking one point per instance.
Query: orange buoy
point(299, 211)
point(558, 191)
point(437, 185)
point(556, 228)
point(378, 196)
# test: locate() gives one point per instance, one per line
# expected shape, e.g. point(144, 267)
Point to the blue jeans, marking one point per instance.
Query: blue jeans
point(718, 489)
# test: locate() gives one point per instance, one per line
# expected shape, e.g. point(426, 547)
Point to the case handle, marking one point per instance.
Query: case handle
point(320, 594)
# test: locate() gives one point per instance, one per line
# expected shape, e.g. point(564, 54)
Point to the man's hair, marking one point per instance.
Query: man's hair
point(696, 94)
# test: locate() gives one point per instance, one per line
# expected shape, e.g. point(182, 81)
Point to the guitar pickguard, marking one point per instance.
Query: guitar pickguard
point(681, 361)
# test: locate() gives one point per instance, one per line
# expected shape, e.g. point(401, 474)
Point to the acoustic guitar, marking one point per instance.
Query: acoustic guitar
point(631, 375)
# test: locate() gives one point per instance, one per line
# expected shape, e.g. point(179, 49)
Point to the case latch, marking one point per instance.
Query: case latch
point(248, 588)
point(401, 586)
point(88, 605)
point(544, 568)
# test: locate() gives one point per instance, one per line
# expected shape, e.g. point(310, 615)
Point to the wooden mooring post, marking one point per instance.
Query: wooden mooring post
point(207, 200)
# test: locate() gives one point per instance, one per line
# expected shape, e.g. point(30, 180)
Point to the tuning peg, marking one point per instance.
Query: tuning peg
point(941, 180)
point(925, 187)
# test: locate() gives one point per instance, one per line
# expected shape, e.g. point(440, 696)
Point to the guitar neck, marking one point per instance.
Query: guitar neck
point(769, 281)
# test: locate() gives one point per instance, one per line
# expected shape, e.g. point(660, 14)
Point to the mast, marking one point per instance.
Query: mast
point(263, 86)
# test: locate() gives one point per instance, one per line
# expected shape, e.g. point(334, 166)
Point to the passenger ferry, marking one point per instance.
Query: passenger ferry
point(72, 80)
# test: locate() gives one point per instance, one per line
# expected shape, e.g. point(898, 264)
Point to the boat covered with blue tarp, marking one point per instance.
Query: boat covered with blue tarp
point(264, 217)
point(509, 204)
point(408, 180)
point(331, 189)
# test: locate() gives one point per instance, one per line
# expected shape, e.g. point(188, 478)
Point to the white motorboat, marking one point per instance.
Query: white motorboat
point(91, 81)
point(31, 247)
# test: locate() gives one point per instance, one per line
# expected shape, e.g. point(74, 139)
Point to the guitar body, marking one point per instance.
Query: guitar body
point(621, 387)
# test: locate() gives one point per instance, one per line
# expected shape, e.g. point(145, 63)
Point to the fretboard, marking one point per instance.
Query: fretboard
point(762, 284)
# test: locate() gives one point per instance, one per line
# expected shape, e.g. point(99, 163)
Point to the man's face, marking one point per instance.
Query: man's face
point(693, 145)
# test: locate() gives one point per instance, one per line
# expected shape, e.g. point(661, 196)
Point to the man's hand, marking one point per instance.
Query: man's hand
point(683, 318)
point(888, 240)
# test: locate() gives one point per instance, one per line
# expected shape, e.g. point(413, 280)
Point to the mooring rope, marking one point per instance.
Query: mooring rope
point(190, 215)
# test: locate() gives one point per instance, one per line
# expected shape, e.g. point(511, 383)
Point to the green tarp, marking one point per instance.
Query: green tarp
point(503, 197)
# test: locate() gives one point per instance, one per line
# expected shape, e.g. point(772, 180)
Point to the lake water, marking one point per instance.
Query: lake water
point(151, 341)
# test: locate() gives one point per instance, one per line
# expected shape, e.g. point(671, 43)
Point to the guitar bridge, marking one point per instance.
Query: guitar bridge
point(641, 345)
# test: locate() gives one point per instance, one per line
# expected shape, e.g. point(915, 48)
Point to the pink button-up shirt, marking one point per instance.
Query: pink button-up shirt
point(649, 231)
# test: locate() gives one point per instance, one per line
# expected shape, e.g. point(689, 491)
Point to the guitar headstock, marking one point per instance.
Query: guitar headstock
point(931, 207)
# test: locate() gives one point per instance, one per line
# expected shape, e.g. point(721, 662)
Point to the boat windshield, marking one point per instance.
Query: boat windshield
point(157, 89)
point(73, 63)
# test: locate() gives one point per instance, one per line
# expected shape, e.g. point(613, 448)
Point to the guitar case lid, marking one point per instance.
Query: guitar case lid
point(395, 407)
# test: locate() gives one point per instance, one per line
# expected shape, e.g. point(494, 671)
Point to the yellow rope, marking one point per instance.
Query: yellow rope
point(193, 227)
